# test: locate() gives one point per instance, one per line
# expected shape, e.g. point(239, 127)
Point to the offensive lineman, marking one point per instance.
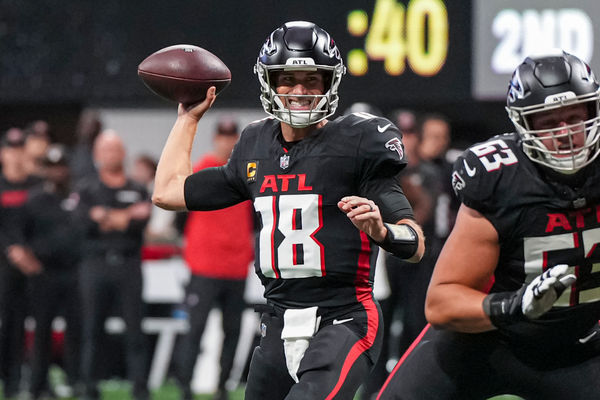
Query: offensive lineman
point(529, 226)
point(313, 182)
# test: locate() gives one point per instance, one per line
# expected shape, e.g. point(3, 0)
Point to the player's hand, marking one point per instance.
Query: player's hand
point(531, 301)
point(542, 292)
point(141, 210)
point(24, 259)
point(197, 110)
point(365, 215)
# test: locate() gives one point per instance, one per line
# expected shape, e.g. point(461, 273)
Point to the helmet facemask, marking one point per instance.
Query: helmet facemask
point(322, 106)
point(565, 149)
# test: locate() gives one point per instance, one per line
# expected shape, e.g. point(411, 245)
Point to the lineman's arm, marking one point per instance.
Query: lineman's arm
point(464, 268)
point(175, 163)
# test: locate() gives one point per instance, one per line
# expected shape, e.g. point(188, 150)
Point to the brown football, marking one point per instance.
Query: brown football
point(183, 73)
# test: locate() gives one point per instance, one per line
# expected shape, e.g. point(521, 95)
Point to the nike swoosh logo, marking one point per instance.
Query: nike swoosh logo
point(470, 171)
point(382, 129)
point(586, 339)
point(341, 321)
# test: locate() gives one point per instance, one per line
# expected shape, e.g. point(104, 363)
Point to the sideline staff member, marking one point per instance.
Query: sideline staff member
point(114, 211)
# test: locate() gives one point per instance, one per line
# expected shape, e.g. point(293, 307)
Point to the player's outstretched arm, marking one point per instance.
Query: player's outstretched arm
point(462, 273)
point(456, 298)
point(175, 164)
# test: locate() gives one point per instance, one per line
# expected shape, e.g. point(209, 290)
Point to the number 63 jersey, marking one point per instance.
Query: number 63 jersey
point(540, 223)
point(307, 251)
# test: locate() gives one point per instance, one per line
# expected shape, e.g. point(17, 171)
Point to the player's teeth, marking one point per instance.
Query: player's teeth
point(299, 103)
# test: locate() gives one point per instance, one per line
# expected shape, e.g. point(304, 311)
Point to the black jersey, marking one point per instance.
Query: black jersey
point(51, 229)
point(13, 196)
point(307, 251)
point(540, 223)
point(95, 193)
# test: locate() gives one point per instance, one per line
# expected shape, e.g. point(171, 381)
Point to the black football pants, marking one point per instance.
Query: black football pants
point(338, 360)
point(450, 365)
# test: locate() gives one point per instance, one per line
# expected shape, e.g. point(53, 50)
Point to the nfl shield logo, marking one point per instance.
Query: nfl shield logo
point(284, 161)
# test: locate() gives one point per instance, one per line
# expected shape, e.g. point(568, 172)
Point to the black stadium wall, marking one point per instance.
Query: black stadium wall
point(59, 57)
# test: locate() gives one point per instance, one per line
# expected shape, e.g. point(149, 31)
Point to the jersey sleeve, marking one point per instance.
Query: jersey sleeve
point(217, 187)
point(387, 193)
point(484, 178)
point(472, 184)
point(380, 152)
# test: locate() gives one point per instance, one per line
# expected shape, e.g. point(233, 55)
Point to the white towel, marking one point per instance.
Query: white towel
point(299, 326)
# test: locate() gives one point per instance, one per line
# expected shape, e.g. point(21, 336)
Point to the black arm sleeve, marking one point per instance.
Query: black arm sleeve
point(387, 193)
point(209, 189)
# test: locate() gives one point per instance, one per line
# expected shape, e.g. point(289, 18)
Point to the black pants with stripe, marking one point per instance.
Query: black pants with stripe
point(337, 361)
point(449, 365)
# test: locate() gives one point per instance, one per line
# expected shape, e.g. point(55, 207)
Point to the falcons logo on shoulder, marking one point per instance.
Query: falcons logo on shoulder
point(395, 145)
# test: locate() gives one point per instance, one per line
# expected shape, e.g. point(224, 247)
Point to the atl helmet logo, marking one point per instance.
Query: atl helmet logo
point(395, 145)
point(559, 97)
point(299, 61)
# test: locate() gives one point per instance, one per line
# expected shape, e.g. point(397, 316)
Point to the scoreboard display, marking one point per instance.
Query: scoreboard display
point(395, 50)
point(421, 53)
point(505, 32)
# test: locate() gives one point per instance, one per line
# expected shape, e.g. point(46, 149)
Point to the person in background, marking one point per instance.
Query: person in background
point(514, 299)
point(407, 281)
point(114, 211)
point(324, 197)
point(36, 145)
point(52, 248)
point(89, 126)
point(218, 260)
point(15, 184)
point(161, 226)
point(434, 145)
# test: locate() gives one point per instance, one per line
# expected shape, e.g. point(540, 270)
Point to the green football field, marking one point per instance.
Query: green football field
point(119, 390)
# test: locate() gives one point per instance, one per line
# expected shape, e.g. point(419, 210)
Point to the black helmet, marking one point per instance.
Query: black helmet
point(299, 46)
point(547, 82)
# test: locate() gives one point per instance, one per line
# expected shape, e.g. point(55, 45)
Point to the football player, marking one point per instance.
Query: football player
point(324, 195)
point(514, 300)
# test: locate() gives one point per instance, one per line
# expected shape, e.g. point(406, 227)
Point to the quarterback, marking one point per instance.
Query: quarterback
point(324, 197)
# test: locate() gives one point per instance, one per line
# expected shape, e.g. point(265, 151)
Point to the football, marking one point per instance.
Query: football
point(183, 73)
